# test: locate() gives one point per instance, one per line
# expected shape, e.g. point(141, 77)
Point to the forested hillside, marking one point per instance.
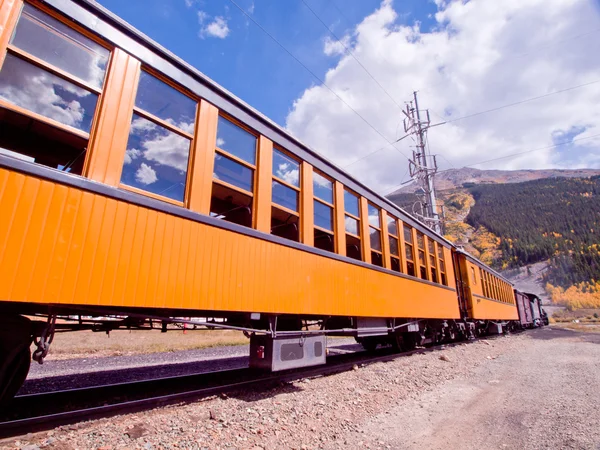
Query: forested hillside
point(553, 218)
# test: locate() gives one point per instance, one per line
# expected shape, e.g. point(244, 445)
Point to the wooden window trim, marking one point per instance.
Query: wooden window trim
point(22, 54)
point(41, 118)
point(284, 209)
point(352, 216)
point(285, 183)
point(235, 188)
point(324, 202)
point(152, 118)
point(324, 230)
point(235, 158)
point(353, 235)
point(149, 194)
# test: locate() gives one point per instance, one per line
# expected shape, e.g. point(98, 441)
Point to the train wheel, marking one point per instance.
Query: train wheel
point(15, 356)
point(14, 375)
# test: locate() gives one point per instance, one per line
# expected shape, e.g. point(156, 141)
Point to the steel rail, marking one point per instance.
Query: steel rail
point(92, 401)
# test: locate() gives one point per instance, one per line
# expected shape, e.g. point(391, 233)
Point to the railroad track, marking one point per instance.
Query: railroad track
point(43, 411)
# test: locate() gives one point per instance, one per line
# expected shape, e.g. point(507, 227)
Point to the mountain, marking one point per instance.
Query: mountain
point(456, 178)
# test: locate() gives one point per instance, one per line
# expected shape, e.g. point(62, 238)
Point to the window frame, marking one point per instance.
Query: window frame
point(422, 249)
point(379, 230)
point(48, 67)
point(326, 203)
point(411, 232)
point(190, 136)
point(391, 218)
point(279, 149)
point(236, 159)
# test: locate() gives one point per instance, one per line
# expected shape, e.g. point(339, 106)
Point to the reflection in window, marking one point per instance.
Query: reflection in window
point(394, 250)
point(408, 251)
point(351, 203)
point(323, 188)
point(392, 226)
point(285, 196)
point(50, 40)
point(165, 102)
point(408, 234)
point(156, 159)
point(323, 216)
point(232, 172)
point(37, 90)
point(351, 225)
point(285, 168)
point(236, 141)
point(374, 216)
point(375, 237)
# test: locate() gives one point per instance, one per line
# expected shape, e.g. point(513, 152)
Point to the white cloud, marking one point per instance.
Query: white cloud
point(217, 28)
point(333, 47)
point(131, 154)
point(145, 174)
point(481, 54)
point(202, 17)
point(251, 8)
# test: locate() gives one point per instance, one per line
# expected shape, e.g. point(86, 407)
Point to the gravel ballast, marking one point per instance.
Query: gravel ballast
point(537, 389)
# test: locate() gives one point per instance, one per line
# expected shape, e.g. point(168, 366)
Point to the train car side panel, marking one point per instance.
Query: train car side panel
point(67, 246)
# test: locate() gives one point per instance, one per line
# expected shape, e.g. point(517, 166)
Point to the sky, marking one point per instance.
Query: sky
point(337, 73)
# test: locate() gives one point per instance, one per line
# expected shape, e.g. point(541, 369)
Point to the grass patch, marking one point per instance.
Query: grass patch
point(81, 344)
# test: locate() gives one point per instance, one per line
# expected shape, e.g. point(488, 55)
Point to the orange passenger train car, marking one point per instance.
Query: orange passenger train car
point(135, 191)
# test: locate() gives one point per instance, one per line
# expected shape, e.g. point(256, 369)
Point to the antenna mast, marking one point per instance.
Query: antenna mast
point(423, 166)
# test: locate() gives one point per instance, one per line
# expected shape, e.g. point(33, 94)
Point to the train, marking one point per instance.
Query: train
point(136, 192)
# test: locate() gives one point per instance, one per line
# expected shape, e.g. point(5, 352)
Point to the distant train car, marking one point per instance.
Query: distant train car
point(137, 192)
point(485, 296)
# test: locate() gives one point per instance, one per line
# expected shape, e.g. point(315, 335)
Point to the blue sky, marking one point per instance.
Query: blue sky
point(463, 57)
point(247, 62)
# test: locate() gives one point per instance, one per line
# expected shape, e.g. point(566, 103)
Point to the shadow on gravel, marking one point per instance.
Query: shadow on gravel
point(550, 332)
point(103, 377)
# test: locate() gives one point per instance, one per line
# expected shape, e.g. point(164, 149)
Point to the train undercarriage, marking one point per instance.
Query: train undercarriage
point(276, 342)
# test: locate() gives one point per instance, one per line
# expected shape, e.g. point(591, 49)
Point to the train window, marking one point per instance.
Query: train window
point(483, 287)
point(48, 39)
point(392, 226)
point(236, 141)
point(231, 205)
point(56, 74)
point(285, 196)
point(352, 225)
point(442, 265)
point(323, 188)
point(421, 255)
point(323, 212)
point(473, 275)
point(234, 172)
point(158, 149)
point(351, 203)
point(375, 235)
point(408, 249)
point(432, 264)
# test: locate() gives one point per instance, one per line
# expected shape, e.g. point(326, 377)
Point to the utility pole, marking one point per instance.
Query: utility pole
point(423, 166)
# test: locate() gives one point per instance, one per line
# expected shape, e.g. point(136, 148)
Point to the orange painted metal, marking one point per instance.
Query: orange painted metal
point(203, 160)
point(340, 217)
point(62, 245)
point(307, 230)
point(264, 183)
point(108, 140)
point(402, 247)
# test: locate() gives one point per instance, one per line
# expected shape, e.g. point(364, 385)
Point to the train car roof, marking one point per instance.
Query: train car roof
point(482, 265)
point(117, 31)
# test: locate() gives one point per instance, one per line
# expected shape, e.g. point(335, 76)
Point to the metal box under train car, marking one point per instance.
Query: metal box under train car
point(281, 353)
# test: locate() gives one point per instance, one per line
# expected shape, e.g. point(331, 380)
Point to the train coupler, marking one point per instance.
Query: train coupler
point(42, 338)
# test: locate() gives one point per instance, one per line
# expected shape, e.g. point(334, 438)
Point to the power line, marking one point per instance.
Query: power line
point(351, 54)
point(517, 103)
point(313, 74)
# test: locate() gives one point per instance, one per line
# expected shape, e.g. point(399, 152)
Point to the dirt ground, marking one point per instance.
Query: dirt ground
point(533, 390)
